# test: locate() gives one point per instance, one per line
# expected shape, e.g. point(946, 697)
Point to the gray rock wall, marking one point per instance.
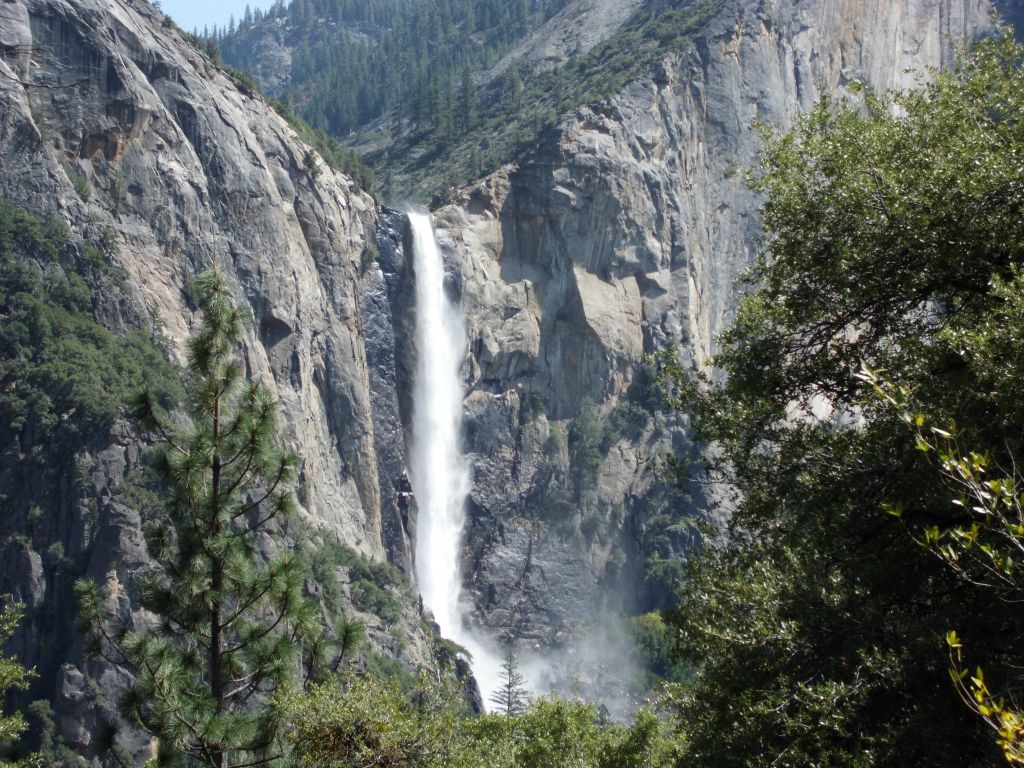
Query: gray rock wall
point(189, 170)
point(622, 233)
point(110, 121)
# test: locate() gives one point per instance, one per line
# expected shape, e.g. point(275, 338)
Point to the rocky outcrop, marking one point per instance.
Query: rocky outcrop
point(573, 32)
point(624, 232)
point(188, 170)
point(111, 122)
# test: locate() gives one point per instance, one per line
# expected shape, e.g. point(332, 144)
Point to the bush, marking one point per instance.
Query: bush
point(375, 587)
point(355, 721)
point(532, 406)
point(585, 449)
point(628, 420)
point(64, 378)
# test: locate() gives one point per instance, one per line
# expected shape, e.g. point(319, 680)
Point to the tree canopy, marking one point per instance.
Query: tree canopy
point(893, 233)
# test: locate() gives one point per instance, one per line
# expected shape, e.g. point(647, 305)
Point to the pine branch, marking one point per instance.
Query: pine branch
point(256, 638)
point(247, 605)
point(282, 471)
point(261, 761)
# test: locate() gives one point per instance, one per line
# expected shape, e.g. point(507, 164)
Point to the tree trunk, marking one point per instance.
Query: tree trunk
point(216, 587)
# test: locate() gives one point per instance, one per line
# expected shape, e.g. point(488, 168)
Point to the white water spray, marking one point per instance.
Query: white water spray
point(439, 472)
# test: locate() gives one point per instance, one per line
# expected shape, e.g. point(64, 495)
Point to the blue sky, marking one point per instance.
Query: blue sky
point(195, 14)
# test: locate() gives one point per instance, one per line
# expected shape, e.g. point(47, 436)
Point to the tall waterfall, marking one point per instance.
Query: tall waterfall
point(440, 474)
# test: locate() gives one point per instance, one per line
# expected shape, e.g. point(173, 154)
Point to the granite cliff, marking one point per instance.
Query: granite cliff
point(113, 124)
point(621, 232)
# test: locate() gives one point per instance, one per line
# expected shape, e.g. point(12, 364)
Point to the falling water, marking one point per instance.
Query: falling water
point(439, 472)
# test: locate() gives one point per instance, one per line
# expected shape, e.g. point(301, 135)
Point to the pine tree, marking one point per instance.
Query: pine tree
point(511, 697)
point(13, 676)
point(467, 105)
point(228, 624)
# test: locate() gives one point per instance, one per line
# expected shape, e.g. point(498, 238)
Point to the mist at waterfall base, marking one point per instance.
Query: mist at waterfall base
point(597, 660)
point(439, 472)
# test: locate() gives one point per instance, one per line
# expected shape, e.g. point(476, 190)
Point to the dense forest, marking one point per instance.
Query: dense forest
point(406, 84)
point(356, 62)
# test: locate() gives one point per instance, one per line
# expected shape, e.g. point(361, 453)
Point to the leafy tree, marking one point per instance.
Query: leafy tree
point(815, 621)
point(227, 624)
point(362, 721)
point(511, 698)
point(585, 449)
point(656, 642)
point(985, 548)
point(13, 676)
point(358, 721)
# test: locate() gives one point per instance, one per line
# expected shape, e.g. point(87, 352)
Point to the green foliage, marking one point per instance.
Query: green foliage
point(986, 547)
point(627, 421)
point(656, 640)
point(409, 53)
point(585, 449)
point(13, 677)
point(355, 721)
point(375, 587)
point(362, 722)
point(351, 636)
point(556, 440)
point(229, 625)
point(532, 406)
point(367, 596)
point(64, 378)
point(816, 622)
point(53, 752)
point(245, 81)
point(391, 672)
point(510, 698)
point(82, 187)
point(312, 164)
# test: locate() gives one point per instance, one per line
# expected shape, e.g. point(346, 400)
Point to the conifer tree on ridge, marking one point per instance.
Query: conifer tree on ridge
point(228, 626)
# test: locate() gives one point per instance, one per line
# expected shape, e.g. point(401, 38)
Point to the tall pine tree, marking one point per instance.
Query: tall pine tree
point(511, 697)
point(228, 623)
point(13, 677)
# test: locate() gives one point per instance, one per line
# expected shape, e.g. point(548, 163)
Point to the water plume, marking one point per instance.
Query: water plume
point(439, 472)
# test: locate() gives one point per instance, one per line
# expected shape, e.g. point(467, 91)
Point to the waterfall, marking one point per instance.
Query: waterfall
point(439, 471)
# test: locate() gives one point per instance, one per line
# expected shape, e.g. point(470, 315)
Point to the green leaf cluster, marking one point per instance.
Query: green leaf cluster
point(360, 721)
point(13, 677)
point(816, 621)
point(375, 587)
point(585, 450)
point(64, 378)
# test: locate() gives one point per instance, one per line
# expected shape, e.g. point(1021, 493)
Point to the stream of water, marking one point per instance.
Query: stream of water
point(440, 474)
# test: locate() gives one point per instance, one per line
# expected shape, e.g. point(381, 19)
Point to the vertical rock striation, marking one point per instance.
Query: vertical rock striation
point(114, 124)
point(624, 232)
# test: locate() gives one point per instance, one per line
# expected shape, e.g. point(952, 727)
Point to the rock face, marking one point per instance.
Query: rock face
point(572, 32)
point(110, 121)
point(622, 233)
point(188, 170)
